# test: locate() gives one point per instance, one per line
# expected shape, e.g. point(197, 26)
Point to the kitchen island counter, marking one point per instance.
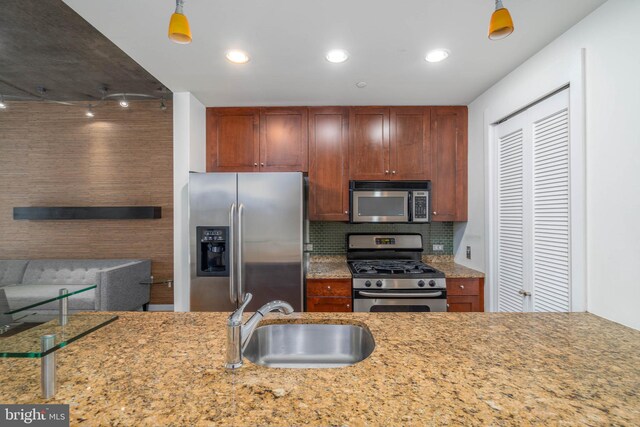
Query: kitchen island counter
point(160, 369)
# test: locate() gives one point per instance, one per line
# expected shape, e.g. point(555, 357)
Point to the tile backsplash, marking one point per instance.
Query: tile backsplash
point(329, 238)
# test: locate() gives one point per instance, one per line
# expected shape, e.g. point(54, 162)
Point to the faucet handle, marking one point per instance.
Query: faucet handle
point(236, 316)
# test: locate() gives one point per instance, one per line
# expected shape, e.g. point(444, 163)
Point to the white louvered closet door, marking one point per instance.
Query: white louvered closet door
point(533, 259)
point(510, 207)
point(551, 228)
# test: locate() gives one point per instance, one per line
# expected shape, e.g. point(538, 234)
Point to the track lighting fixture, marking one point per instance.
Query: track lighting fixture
point(123, 102)
point(163, 106)
point(2, 104)
point(89, 112)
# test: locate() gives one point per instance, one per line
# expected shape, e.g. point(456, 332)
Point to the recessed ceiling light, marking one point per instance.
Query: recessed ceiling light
point(361, 85)
point(437, 55)
point(237, 56)
point(337, 56)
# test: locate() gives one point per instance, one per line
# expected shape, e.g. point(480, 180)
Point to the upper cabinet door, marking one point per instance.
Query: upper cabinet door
point(369, 143)
point(328, 164)
point(410, 156)
point(232, 139)
point(449, 162)
point(283, 140)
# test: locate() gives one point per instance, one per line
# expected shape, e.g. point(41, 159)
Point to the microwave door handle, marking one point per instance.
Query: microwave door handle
point(232, 286)
point(399, 295)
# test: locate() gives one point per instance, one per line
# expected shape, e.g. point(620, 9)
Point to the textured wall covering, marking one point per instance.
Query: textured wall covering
point(52, 155)
point(329, 238)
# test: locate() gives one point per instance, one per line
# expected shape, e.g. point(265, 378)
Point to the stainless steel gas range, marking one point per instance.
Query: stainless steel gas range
point(389, 276)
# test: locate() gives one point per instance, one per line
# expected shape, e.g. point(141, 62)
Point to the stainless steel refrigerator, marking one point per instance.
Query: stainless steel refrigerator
point(246, 234)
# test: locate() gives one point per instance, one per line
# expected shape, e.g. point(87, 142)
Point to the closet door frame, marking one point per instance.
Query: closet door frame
point(573, 78)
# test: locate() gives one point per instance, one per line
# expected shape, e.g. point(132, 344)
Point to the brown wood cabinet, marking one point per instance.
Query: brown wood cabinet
point(389, 143)
point(449, 163)
point(336, 144)
point(257, 139)
point(465, 295)
point(328, 164)
point(283, 139)
point(329, 295)
point(233, 139)
point(369, 143)
point(410, 143)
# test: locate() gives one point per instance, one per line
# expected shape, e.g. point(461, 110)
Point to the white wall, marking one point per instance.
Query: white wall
point(189, 154)
point(611, 38)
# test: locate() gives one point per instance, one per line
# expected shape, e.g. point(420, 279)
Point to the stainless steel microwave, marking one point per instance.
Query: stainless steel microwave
point(390, 201)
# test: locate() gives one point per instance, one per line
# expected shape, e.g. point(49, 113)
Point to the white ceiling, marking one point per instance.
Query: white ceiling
point(287, 40)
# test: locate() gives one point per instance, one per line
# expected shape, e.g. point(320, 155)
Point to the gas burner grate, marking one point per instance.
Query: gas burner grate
point(390, 267)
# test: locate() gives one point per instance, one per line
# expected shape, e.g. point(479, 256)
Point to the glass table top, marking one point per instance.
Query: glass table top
point(28, 312)
point(27, 342)
point(49, 294)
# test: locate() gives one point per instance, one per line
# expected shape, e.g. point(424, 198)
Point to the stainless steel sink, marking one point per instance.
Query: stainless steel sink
point(309, 345)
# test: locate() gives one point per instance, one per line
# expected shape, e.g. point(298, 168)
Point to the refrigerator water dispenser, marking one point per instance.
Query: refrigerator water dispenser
point(213, 256)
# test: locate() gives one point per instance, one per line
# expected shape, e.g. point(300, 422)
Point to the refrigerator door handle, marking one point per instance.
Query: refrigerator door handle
point(240, 284)
point(233, 296)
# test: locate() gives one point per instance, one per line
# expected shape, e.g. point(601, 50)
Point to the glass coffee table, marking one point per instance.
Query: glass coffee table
point(28, 331)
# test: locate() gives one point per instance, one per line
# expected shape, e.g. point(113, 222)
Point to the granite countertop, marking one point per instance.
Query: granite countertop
point(328, 267)
point(335, 267)
point(161, 369)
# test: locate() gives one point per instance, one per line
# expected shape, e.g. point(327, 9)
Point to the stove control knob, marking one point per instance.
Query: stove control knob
point(432, 283)
point(367, 283)
point(421, 283)
point(379, 283)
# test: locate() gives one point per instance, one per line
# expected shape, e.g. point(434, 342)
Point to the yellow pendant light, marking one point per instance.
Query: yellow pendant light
point(501, 24)
point(179, 30)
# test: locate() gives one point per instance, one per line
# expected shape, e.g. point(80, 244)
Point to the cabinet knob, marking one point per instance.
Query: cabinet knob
point(387, 172)
point(461, 286)
point(348, 305)
point(328, 287)
point(261, 164)
point(255, 164)
point(435, 213)
point(346, 212)
point(393, 172)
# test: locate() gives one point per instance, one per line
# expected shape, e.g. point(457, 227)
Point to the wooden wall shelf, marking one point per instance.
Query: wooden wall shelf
point(39, 213)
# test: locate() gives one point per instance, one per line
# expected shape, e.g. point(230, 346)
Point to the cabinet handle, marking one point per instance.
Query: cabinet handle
point(348, 305)
point(346, 212)
point(393, 172)
point(524, 293)
point(261, 164)
point(255, 164)
point(435, 213)
point(329, 287)
point(461, 286)
point(387, 172)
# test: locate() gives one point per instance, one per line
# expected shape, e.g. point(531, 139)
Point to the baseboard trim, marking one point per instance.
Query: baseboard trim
point(160, 307)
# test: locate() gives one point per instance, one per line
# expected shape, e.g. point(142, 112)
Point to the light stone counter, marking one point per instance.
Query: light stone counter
point(157, 369)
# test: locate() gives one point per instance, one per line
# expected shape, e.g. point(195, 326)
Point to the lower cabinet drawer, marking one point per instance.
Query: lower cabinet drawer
point(329, 287)
point(329, 304)
point(463, 287)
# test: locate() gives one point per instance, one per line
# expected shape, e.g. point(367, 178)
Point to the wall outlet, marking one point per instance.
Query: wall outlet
point(438, 248)
point(468, 252)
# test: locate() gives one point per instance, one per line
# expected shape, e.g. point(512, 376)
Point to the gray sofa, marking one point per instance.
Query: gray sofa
point(118, 283)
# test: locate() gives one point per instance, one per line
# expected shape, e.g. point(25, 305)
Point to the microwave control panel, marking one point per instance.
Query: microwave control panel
point(420, 206)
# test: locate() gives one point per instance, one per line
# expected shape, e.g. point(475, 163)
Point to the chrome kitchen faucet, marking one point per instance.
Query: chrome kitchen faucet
point(238, 335)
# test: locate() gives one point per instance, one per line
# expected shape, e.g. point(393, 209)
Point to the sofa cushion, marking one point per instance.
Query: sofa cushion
point(66, 272)
point(12, 270)
point(24, 295)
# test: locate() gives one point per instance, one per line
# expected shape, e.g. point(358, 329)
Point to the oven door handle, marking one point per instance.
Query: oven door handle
point(399, 295)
